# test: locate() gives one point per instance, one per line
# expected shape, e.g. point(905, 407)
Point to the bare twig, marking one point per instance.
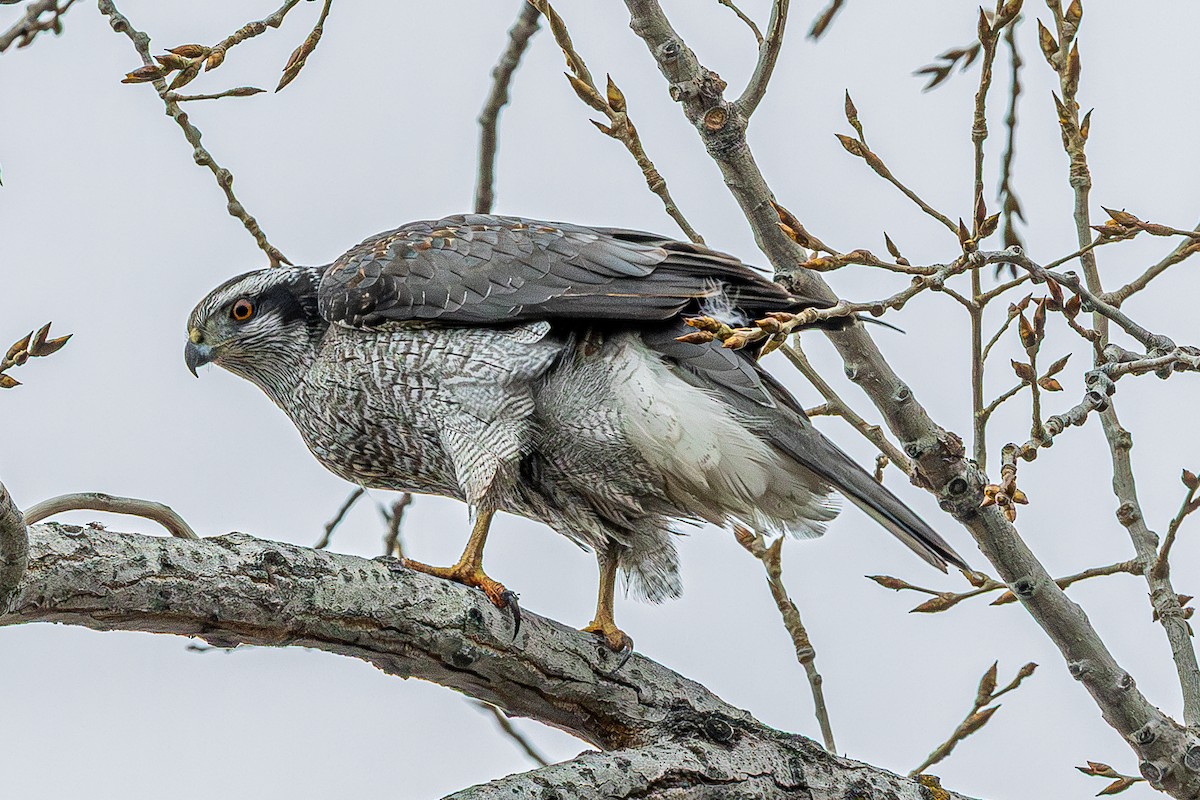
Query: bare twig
point(1119, 782)
point(979, 715)
point(506, 727)
point(758, 37)
point(391, 540)
point(489, 118)
point(202, 157)
point(1190, 505)
point(237, 91)
point(96, 501)
point(300, 55)
point(1010, 206)
point(768, 54)
point(856, 147)
point(772, 561)
point(1182, 251)
point(26, 29)
point(343, 509)
point(612, 105)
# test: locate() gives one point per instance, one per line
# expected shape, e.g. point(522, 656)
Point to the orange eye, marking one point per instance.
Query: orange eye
point(242, 310)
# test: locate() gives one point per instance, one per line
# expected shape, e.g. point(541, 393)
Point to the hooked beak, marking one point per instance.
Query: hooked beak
point(197, 355)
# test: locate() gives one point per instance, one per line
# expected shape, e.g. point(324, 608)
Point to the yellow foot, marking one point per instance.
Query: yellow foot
point(616, 639)
point(474, 576)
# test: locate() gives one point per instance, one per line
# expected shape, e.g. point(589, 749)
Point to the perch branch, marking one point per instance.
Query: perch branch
point(235, 589)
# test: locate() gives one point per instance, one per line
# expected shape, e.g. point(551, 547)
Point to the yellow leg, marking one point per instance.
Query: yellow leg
point(469, 569)
point(604, 625)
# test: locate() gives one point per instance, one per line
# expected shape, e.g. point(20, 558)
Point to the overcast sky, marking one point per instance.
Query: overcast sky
point(109, 229)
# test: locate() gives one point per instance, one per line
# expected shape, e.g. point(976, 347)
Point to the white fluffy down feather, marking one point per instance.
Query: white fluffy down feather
point(710, 461)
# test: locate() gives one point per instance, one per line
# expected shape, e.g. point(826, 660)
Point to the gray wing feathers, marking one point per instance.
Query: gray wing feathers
point(479, 269)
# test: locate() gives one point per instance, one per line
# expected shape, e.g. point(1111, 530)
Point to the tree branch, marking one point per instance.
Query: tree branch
point(768, 54)
point(14, 548)
point(236, 589)
point(518, 40)
point(141, 43)
point(941, 462)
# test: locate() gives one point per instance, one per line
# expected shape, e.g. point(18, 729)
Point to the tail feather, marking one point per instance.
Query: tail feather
point(807, 446)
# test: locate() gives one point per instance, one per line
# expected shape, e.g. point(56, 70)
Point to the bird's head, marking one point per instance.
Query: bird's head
point(263, 326)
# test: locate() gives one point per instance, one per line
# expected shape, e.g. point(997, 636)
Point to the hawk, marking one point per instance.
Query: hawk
point(535, 368)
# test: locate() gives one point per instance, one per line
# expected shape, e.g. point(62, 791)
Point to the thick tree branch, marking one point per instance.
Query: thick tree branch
point(941, 462)
point(14, 548)
point(236, 589)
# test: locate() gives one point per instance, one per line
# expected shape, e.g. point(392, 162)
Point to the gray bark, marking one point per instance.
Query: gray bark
point(664, 735)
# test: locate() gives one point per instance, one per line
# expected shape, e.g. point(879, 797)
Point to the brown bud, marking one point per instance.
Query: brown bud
point(1050, 384)
point(989, 226)
point(987, 685)
point(8, 382)
point(1190, 480)
point(1074, 12)
point(1072, 306)
point(888, 582)
point(190, 50)
point(1049, 45)
point(1025, 330)
point(171, 61)
point(215, 59)
point(853, 146)
point(18, 347)
point(1024, 371)
point(186, 75)
point(144, 74)
point(933, 605)
point(615, 98)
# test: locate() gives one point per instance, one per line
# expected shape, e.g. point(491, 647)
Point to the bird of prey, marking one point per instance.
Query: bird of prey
point(535, 368)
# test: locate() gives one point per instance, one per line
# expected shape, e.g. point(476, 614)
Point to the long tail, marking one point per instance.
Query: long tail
point(809, 447)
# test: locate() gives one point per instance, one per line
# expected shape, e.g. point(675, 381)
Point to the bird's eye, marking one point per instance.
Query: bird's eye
point(242, 310)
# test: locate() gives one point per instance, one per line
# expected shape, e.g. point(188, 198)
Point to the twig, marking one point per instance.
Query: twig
point(14, 548)
point(872, 433)
point(300, 55)
point(29, 26)
point(518, 40)
point(979, 715)
point(344, 509)
point(239, 91)
point(758, 37)
point(1119, 782)
point(34, 345)
point(768, 54)
point(391, 540)
point(97, 501)
point(202, 157)
point(506, 727)
point(1010, 206)
point(248, 31)
point(1181, 252)
point(612, 105)
point(778, 326)
point(825, 19)
point(856, 147)
point(772, 561)
point(1162, 566)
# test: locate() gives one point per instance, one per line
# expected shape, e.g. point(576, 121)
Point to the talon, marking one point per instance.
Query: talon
point(626, 651)
point(510, 602)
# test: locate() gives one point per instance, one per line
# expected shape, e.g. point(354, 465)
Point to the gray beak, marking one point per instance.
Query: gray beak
point(196, 355)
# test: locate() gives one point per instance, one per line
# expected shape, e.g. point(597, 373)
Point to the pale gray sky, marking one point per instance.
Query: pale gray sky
point(109, 229)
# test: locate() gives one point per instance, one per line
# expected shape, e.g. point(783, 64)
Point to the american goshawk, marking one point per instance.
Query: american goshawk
point(534, 367)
